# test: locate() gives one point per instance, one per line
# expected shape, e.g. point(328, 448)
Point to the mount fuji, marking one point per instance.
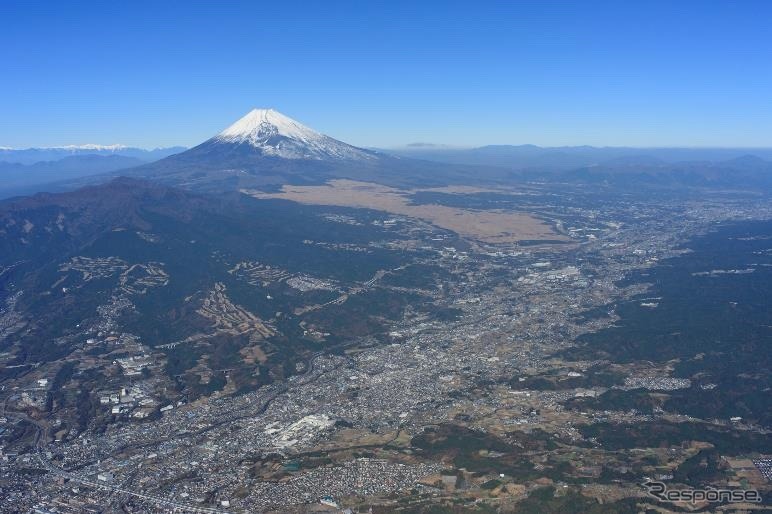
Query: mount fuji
point(274, 134)
point(266, 149)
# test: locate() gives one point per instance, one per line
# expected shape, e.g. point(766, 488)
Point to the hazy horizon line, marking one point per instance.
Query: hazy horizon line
point(406, 146)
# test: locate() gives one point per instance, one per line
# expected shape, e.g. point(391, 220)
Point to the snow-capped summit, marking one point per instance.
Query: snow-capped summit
point(257, 121)
point(277, 135)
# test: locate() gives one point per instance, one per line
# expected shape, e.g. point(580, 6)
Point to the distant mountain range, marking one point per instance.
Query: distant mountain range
point(55, 153)
point(25, 171)
point(724, 167)
point(266, 149)
point(15, 175)
point(568, 157)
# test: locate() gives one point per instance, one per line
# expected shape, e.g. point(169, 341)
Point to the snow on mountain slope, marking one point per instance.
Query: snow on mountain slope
point(277, 135)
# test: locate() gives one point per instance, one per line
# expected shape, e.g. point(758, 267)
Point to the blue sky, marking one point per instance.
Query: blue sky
point(389, 73)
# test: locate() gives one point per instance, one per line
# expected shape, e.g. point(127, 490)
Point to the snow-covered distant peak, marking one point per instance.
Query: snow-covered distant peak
point(93, 147)
point(103, 148)
point(278, 135)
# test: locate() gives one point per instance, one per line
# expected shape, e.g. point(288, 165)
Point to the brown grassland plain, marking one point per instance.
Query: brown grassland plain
point(487, 226)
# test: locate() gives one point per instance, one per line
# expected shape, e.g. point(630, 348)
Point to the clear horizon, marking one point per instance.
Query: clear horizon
point(390, 74)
